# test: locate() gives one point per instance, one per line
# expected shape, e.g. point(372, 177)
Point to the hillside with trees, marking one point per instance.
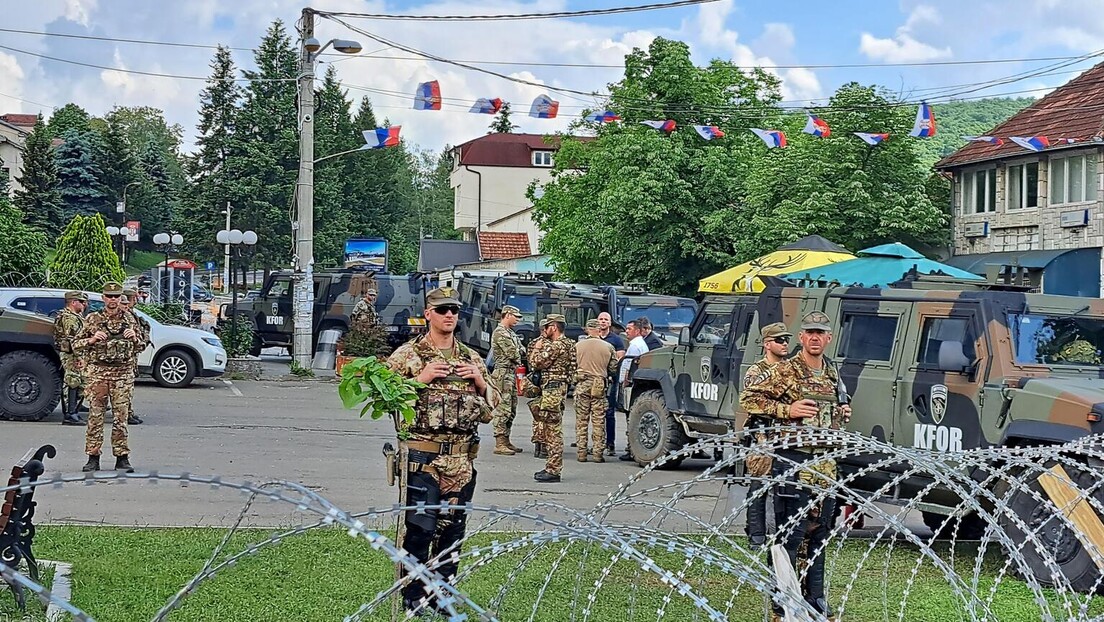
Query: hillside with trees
point(966, 118)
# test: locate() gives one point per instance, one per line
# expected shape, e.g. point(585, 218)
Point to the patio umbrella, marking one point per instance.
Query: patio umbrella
point(877, 266)
point(805, 254)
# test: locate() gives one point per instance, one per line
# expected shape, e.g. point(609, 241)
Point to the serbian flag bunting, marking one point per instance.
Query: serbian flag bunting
point(544, 107)
point(924, 127)
point(1065, 141)
point(817, 127)
point(709, 132)
point(603, 116)
point(486, 106)
point(428, 96)
point(663, 126)
point(382, 137)
point(871, 138)
point(992, 140)
point(1034, 143)
point(771, 138)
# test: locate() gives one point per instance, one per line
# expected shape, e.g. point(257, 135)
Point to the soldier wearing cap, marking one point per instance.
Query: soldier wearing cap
point(67, 326)
point(441, 443)
point(803, 391)
point(776, 344)
point(107, 342)
point(127, 302)
point(506, 352)
point(365, 321)
point(540, 446)
point(556, 362)
point(596, 362)
point(364, 311)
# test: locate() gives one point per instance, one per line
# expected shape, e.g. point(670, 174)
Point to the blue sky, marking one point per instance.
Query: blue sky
point(769, 33)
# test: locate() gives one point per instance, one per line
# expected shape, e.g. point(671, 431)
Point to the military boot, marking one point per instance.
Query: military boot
point(582, 455)
point(70, 416)
point(599, 456)
point(134, 419)
point(92, 465)
point(122, 463)
point(502, 448)
point(515, 448)
point(545, 476)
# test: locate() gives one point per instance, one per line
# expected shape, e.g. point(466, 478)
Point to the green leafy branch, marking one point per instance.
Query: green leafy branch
point(370, 382)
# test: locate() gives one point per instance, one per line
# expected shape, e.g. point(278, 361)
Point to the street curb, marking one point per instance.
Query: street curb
point(61, 587)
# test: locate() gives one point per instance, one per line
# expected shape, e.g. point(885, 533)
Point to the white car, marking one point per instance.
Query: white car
point(176, 354)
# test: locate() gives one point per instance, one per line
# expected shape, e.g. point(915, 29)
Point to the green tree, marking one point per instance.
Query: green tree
point(437, 218)
point(23, 253)
point(956, 119)
point(334, 133)
point(113, 156)
point(502, 123)
point(84, 258)
point(39, 199)
point(78, 176)
point(68, 117)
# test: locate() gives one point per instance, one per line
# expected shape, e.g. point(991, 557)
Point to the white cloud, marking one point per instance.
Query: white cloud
point(79, 10)
point(903, 47)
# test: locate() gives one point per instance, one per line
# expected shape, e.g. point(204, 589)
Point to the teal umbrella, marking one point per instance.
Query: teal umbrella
point(877, 266)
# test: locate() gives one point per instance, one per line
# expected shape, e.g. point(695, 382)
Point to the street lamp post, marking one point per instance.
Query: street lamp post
point(168, 244)
point(303, 261)
point(121, 233)
point(235, 238)
point(120, 208)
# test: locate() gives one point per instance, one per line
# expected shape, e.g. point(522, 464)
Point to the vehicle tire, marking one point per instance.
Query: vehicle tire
point(174, 369)
point(1071, 558)
point(30, 386)
point(653, 430)
point(970, 527)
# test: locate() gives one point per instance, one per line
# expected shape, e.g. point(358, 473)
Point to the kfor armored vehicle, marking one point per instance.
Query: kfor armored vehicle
point(483, 296)
point(30, 370)
point(933, 364)
point(668, 314)
point(400, 302)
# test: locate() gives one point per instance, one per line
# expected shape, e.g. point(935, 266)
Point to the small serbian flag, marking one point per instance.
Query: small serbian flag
point(1034, 143)
point(817, 127)
point(382, 137)
point(428, 96)
point(924, 127)
point(1065, 141)
point(544, 107)
point(709, 132)
point(992, 140)
point(871, 138)
point(604, 116)
point(663, 126)
point(486, 106)
point(771, 138)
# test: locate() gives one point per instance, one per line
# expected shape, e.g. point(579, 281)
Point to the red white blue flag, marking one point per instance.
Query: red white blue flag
point(663, 126)
point(486, 106)
point(817, 127)
point(709, 132)
point(1034, 143)
point(771, 138)
point(871, 138)
point(924, 127)
point(992, 140)
point(544, 107)
point(382, 137)
point(1064, 141)
point(603, 116)
point(428, 96)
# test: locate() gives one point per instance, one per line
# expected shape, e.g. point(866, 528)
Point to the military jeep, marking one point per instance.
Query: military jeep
point(933, 364)
point(30, 370)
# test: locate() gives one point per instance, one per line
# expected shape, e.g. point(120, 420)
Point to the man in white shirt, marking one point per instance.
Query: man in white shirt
point(637, 346)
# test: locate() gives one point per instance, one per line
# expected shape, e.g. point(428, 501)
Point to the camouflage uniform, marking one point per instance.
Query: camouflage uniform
point(556, 362)
point(506, 350)
point(597, 361)
point(442, 442)
point(67, 326)
point(144, 341)
point(538, 426)
point(771, 395)
point(110, 374)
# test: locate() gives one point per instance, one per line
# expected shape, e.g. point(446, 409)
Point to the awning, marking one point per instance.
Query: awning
point(1026, 259)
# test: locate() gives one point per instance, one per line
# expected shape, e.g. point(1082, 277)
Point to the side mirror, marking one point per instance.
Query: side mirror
point(684, 337)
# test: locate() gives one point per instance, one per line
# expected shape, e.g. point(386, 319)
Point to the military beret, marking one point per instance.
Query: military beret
point(111, 288)
point(75, 295)
point(442, 296)
point(770, 331)
point(510, 310)
point(593, 324)
point(816, 320)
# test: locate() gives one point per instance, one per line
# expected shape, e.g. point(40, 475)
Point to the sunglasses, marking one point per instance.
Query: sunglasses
point(111, 295)
point(780, 339)
point(446, 310)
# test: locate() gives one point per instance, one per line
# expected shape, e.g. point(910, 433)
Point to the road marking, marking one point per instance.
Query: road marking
point(233, 388)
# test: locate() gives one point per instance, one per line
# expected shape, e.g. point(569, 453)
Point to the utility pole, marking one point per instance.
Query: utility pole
point(303, 282)
point(226, 255)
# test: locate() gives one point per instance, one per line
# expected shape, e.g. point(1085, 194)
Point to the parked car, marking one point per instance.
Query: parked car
point(176, 354)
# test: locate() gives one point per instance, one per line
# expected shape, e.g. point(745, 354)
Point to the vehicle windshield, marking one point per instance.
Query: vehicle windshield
point(526, 303)
point(1057, 339)
point(663, 318)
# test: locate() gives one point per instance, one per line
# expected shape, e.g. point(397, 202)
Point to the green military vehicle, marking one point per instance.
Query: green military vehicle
point(933, 364)
point(400, 302)
point(668, 314)
point(30, 370)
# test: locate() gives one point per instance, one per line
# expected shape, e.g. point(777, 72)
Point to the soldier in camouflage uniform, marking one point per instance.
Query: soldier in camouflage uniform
point(506, 352)
point(67, 326)
point(803, 391)
point(597, 362)
point(364, 313)
point(540, 446)
point(107, 343)
point(443, 440)
point(776, 342)
point(556, 362)
point(127, 302)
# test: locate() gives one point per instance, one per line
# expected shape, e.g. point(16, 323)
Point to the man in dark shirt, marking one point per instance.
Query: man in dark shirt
point(650, 338)
point(619, 347)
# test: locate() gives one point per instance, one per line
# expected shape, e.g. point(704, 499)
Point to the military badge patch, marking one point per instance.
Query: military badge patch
point(706, 369)
point(938, 402)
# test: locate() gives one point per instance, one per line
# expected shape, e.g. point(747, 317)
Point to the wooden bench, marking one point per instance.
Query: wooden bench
point(16, 526)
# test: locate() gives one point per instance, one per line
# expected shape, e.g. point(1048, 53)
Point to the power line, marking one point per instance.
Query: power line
point(201, 46)
point(518, 16)
point(28, 101)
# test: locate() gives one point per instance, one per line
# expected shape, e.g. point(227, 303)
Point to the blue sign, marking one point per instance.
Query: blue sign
point(210, 266)
point(366, 253)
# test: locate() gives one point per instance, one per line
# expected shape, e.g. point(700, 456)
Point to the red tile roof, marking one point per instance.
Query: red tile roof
point(501, 149)
point(1073, 110)
point(21, 120)
point(503, 245)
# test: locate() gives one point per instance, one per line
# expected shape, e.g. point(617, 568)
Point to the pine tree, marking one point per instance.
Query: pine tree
point(84, 258)
point(113, 156)
point(154, 199)
point(502, 123)
point(68, 117)
point(78, 176)
point(39, 199)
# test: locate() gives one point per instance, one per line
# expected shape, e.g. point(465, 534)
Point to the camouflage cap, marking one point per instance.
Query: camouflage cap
point(553, 317)
point(111, 288)
point(510, 310)
point(770, 331)
point(371, 291)
point(75, 295)
point(130, 293)
point(442, 296)
point(816, 320)
point(593, 324)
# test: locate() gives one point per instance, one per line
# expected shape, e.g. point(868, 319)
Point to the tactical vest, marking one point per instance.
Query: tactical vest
point(116, 349)
point(448, 405)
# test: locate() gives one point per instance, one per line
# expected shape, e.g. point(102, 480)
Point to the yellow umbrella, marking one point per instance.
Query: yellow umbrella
point(790, 258)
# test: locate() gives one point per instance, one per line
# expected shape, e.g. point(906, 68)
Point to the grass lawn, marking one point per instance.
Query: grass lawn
point(140, 261)
point(36, 611)
point(127, 574)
